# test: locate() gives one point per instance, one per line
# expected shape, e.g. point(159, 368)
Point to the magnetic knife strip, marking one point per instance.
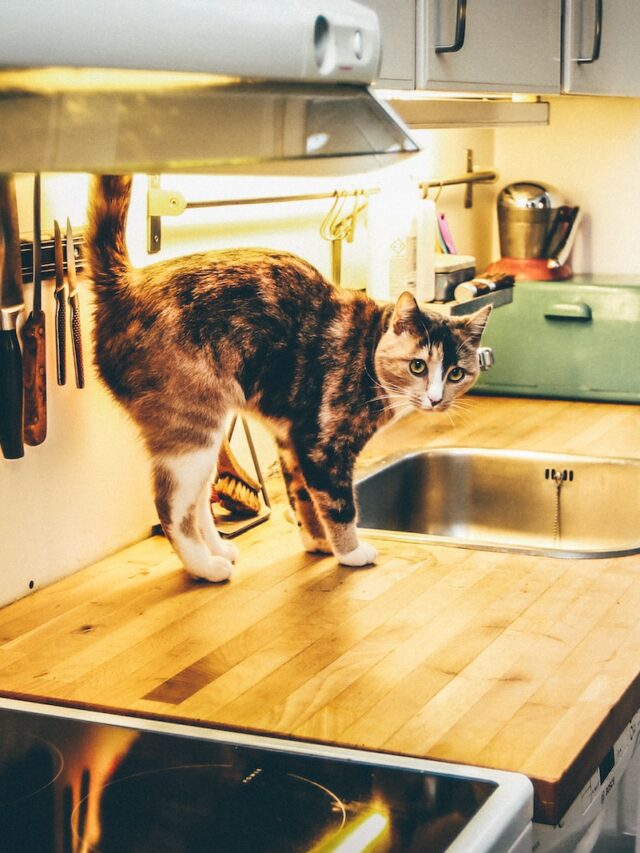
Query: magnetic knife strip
point(48, 256)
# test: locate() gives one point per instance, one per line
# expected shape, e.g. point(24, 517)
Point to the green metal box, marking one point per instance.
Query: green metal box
point(577, 339)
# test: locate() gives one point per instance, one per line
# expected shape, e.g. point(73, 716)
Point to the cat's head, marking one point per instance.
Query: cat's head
point(425, 360)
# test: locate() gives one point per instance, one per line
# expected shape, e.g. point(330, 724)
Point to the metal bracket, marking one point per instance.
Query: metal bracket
point(160, 203)
point(468, 193)
point(470, 178)
point(165, 202)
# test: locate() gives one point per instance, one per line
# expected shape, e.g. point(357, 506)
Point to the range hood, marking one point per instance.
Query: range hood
point(193, 85)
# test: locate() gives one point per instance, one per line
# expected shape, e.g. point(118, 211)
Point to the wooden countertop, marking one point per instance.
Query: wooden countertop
point(504, 660)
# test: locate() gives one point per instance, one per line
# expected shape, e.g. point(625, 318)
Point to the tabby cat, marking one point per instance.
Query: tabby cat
point(182, 342)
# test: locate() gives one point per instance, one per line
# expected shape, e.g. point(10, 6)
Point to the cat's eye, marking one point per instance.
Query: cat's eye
point(417, 366)
point(456, 374)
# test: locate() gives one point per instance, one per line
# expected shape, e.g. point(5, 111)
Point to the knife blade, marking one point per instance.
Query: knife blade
point(559, 253)
point(34, 355)
point(74, 305)
point(61, 294)
point(11, 307)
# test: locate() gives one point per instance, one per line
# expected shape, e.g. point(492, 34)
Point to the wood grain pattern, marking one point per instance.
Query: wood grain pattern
point(504, 660)
point(34, 368)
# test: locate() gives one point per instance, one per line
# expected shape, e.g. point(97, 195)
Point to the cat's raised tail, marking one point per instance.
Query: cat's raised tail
point(106, 249)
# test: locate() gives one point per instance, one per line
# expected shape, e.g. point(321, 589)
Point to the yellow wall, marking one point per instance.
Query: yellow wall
point(590, 153)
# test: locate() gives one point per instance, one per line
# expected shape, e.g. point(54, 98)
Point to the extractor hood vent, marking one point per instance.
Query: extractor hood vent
point(193, 85)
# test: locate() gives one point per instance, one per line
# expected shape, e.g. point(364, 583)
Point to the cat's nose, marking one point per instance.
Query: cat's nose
point(435, 399)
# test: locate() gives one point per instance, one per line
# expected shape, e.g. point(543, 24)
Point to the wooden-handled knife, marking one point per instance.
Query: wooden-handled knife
point(74, 306)
point(11, 307)
point(34, 355)
point(62, 293)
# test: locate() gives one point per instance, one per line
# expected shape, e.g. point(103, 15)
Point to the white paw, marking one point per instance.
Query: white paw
point(227, 550)
point(363, 555)
point(313, 544)
point(217, 569)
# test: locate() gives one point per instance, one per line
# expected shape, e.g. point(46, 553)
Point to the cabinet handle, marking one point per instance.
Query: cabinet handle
point(597, 38)
point(568, 311)
point(461, 23)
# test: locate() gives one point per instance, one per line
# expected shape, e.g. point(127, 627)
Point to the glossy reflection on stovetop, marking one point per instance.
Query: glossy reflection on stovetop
point(70, 786)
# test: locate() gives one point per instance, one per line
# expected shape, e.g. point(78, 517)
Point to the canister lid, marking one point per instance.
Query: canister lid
point(530, 195)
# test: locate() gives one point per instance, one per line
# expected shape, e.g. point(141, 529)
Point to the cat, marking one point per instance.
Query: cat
point(182, 342)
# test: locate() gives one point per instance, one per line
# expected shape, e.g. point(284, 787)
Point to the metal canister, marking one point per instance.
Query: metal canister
point(527, 217)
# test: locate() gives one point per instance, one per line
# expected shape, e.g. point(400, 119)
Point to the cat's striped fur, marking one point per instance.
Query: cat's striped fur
point(180, 343)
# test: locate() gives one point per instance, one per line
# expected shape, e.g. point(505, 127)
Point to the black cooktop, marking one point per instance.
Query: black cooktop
point(70, 786)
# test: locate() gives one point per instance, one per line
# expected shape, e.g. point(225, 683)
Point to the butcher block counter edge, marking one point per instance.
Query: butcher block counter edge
point(552, 798)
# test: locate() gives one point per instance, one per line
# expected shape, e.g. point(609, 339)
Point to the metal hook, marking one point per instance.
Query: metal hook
point(359, 205)
point(330, 222)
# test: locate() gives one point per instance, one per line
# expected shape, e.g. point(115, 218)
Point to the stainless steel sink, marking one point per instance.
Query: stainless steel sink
point(507, 500)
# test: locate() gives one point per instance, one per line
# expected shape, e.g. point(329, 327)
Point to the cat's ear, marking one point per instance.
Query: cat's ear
point(476, 322)
point(405, 312)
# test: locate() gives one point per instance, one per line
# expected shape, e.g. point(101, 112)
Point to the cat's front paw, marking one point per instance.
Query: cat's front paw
point(363, 555)
point(215, 570)
point(227, 550)
point(314, 544)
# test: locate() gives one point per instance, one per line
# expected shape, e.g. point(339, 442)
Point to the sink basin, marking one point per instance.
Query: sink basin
point(506, 500)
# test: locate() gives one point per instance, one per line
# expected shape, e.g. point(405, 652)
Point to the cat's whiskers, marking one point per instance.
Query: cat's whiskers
point(461, 411)
point(400, 413)
point(404, 404)
point(375, 381)
point(384, 398)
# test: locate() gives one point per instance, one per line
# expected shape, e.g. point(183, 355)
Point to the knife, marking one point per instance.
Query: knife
point(11, 307)
point(559, 254)
point(62, 293)
point(34, 354)
point(74, 305)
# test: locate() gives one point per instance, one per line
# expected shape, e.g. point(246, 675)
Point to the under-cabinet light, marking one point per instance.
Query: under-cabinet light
point(429, 110)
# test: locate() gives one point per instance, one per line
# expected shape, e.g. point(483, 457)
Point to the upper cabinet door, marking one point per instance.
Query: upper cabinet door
point(601, 39)
point(398, 27)
point(488, 45)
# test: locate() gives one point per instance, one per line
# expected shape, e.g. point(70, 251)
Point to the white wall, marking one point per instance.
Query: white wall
point(83, 493)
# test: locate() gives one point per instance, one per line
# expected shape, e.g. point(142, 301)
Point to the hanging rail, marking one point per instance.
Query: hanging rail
point(487, 177)
point(470, 178)
point(171, 203)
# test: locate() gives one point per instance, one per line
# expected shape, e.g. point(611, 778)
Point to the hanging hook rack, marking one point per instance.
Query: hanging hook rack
point(339, 225)
point(162, 202)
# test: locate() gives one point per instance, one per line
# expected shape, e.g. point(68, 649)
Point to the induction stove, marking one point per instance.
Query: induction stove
point(75, 781)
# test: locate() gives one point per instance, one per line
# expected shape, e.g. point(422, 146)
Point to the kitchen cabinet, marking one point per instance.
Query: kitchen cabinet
point(483, 45)
point(600, 47)
point(398, 26)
